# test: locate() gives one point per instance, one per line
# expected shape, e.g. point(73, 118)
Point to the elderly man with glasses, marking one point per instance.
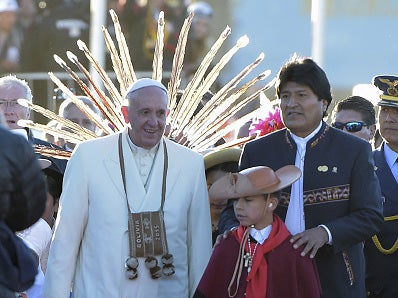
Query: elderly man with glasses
point(12, 89)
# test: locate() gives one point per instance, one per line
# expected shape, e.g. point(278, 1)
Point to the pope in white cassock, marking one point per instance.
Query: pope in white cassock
point(95, 252)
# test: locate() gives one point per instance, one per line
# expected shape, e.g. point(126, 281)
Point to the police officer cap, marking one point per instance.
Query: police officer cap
point(389, 85)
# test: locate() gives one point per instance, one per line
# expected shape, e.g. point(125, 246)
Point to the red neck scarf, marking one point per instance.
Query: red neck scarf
point(257, 278)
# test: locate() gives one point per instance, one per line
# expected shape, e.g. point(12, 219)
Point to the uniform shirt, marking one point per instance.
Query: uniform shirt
point(392, 160)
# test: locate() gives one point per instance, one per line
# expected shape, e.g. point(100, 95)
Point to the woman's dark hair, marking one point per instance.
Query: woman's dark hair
point(305, 71)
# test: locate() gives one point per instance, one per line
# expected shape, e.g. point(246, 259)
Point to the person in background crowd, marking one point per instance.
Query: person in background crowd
point(357, 116)
point(10, 37)
point(257, 260)
point(11, 89)
point(22, 202)
point(336, 204)
point(139, 23)
point(198, 38)
point(69, 110)
point(38, 236)
point(217, 164)
point(381, 250)
point(120, 187)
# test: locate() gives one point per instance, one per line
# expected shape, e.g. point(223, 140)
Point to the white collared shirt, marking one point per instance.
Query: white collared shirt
point(144, 159)
point(261, 235)
point(294, 220)
point(391, 159)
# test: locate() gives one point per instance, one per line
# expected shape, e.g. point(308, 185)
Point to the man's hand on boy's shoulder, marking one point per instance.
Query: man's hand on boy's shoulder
point(223, 236)
point(312, 240)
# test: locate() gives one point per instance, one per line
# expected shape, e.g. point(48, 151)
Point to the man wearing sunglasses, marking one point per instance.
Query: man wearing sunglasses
point(355, 115)
point(381, 250)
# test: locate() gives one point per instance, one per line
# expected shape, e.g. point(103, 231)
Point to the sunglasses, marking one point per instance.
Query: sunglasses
point(352, 126)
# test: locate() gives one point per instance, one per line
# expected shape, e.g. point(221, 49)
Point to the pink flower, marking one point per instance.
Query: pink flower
point(271, 123)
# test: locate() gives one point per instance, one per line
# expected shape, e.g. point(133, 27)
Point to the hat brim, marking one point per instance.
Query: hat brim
point(252, 182)
point(388, 103)
point(44, 163)
point(214, 158)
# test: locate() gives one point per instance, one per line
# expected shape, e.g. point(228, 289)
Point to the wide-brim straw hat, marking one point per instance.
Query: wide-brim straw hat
point(253, 181)
point(221, 156)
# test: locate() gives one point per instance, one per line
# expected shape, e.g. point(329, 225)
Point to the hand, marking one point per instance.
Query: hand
point(225, 235)
point(313, 239)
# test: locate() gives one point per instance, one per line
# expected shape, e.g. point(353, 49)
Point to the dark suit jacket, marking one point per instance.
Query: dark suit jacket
point(57, 164)
point(341, 191)
point(382, 269)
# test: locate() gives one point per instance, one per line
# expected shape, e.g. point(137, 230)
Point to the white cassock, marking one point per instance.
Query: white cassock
point(90, 244)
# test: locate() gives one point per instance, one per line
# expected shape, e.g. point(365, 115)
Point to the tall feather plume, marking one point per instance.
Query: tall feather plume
point(102, 73)
point(221, 116)
point(129, 73)
point(192, 85)
point(187, 113)
point(109, 108)
point(72, 136)
point(178, 61)
point(84, 133)
point(116, 62)
point(52, 152)
point(106, 112)
point(84, 108)
point(209, 112)
point(199, 132)
point(157, 64)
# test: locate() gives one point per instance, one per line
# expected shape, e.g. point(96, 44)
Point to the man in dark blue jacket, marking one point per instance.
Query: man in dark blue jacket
point(381, 250)
point(336, 204)
point(22, 202)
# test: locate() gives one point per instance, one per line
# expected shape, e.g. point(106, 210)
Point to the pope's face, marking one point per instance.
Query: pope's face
point(147, 116)
point(301, 109)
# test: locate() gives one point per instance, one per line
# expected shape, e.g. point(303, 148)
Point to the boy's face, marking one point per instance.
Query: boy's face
point(254, 210)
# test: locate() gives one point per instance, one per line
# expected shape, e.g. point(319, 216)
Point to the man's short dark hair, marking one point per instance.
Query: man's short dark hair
point(360, 105)
point(305, 71)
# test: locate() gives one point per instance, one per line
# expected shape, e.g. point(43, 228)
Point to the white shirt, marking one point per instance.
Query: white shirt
point(294, 220)
point(144, 160)
point(391, 159)
point(261, 235)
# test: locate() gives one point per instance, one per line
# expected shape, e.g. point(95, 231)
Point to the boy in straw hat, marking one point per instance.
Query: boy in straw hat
point(257, 260)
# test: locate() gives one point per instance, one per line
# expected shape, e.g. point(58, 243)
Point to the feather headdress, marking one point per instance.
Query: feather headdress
point(200, 130)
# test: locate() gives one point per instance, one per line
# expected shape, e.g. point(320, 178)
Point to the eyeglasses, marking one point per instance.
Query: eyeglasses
point(352, 126)
point(13, 103)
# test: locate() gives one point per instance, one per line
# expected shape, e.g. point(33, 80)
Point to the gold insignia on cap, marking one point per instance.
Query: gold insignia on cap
point(323, 168)
point(392, 86)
